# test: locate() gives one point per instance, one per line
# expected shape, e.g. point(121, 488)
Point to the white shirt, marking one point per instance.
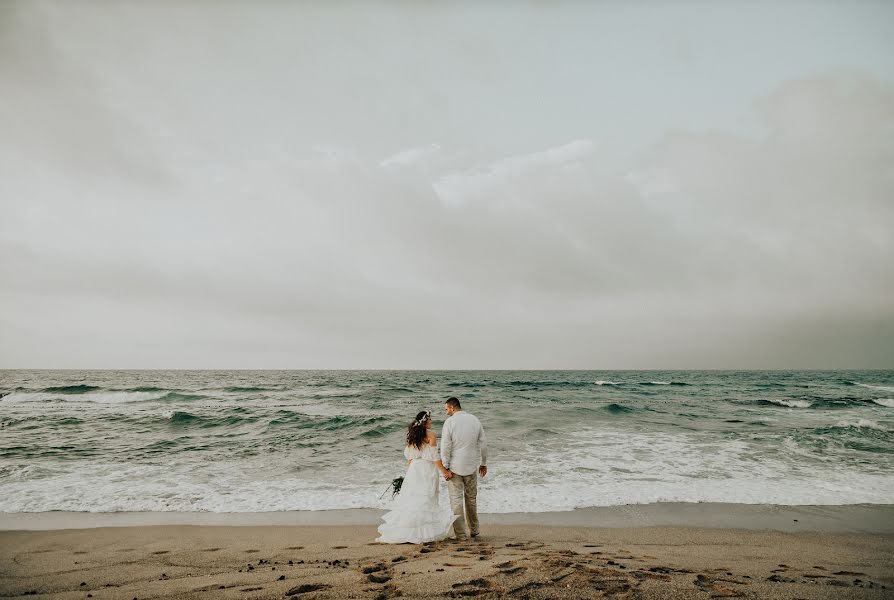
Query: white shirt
point(463, 445)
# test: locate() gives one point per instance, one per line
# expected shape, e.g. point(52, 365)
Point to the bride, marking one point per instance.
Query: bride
point(416, 516)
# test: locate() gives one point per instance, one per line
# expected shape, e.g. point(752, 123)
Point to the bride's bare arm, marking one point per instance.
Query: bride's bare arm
point(441, 468)
point(433, 441)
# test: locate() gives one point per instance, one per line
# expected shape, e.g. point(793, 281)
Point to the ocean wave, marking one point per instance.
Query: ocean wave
point(663, 383)
point(817, 401)
point(118, 397)
point(542, 432)
point(109, 397)
point(884, 388)
point(331, 421)
point(889, 402)
point(33, 422)
point(617, 409)
point(181, 397)
point(250, 388)
point(537, 384)
point(336, 410)
point(185, 419)
point(790, 403)
point(861, 424)
point(600, 382)
point(381, 430)
point(344, 422)
point(331, 395)
point(70, 389)
point(286, 417)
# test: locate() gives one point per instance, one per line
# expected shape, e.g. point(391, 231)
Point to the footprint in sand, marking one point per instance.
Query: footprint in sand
point(377, 573)
point(373, 568)
point(295, 548)
point(339, 547)
point(649, 575)
point(161, 552)
point(307, 587)
point(557, 577)
point(481, 583)
point(389, 591)
point(210, 549)
point(716, 590)
point(776, 578)
point(475, 587)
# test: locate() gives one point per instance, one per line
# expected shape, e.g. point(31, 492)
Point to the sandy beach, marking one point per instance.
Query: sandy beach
point(849, 553)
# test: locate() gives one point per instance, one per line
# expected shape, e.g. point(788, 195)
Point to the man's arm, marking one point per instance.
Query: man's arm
point(446, 443)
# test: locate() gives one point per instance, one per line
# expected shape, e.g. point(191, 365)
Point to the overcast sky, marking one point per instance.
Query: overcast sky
point(465, 185)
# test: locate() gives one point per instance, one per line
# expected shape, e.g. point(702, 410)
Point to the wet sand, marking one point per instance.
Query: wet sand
point(513, 560)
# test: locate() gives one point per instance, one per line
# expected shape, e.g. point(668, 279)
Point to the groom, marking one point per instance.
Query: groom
point(464, 455)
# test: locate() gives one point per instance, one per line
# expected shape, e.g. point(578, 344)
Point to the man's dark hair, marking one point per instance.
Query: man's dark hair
point(454, 402)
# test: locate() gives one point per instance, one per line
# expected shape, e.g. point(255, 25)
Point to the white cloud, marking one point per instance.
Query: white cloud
point(457, 188)
point(410, 157)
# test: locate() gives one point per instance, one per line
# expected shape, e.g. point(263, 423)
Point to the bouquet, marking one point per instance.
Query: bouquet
point(394, 487)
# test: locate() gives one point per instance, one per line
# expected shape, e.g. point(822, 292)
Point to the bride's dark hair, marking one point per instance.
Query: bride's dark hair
point(416, 431)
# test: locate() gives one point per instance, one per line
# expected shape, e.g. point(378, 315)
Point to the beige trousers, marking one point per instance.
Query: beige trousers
point(463, 490)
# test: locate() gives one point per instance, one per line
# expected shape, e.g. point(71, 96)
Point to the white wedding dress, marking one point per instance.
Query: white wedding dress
point(415, 516)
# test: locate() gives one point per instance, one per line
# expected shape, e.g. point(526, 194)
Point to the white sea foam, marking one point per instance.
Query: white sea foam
point(589, 467)
point(660, 382)
point(791, 403)
point(884, 388)
point(600, 382)
point(861, 423)
point(889, 402)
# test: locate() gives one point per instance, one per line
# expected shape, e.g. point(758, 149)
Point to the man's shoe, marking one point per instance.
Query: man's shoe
point(475, 534)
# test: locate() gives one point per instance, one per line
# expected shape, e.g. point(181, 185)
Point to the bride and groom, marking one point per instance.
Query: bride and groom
point(416, 516)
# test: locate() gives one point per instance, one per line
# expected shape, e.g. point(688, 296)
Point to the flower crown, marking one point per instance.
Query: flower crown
point(423, 419)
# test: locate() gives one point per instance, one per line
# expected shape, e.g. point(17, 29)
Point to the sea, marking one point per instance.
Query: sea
point(259, 441)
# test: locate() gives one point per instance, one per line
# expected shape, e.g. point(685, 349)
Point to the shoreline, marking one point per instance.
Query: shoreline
point(855, 518)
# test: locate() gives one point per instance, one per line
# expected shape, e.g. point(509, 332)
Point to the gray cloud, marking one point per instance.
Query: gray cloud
point(187, 203)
